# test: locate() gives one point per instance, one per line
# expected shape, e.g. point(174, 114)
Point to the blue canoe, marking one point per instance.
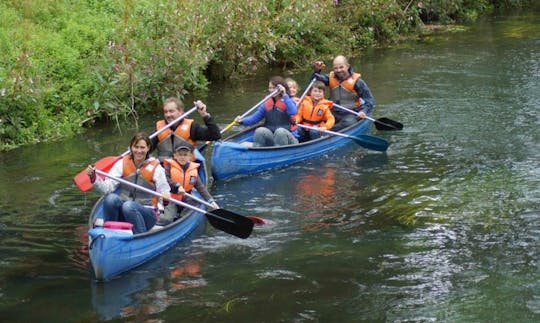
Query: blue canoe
point(232, 158)
point(113, 252)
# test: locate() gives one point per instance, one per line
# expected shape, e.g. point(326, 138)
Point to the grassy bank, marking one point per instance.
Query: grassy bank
point(66, 64)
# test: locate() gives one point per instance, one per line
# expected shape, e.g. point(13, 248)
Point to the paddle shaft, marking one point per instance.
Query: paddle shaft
point(366, 141)
point(255, 219)
point(252, 108)
point(167, 126)
point(83, 182)
point(152, 192)
point(387, 125)
point(351, 111)
point(327, 131)
point(230, 125)
point(273, 93)
point(306, 91)
point(198, 199)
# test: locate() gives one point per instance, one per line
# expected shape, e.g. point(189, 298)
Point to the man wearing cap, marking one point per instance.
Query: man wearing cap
point(182, 175)
point(347, 89)
point(185, 132)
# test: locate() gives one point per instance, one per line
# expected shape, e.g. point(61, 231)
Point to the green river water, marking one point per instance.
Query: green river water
point(444, 227)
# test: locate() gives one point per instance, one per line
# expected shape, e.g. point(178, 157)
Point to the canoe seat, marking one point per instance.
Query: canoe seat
point(117, 225)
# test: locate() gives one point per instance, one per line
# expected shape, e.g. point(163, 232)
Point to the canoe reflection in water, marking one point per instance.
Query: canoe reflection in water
point(331, 195)
point(148, 289)
point(316, 191)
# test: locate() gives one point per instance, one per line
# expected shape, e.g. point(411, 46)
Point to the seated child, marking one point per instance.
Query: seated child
point(314, 111)
point(182, 175)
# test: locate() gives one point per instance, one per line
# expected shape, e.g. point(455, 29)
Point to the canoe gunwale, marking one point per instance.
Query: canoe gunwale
point(230, 138)
point(143, 247)
point(231, 159)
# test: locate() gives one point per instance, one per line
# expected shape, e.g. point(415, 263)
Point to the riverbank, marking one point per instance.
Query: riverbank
point(71, 65)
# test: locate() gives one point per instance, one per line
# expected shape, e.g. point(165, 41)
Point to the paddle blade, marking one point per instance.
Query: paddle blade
point(256, 220)
point(83, 181)
point(230, 222)
point(387, 124)
point(371, 142)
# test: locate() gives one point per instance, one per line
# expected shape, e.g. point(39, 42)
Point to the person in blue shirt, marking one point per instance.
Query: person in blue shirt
point(279, 114)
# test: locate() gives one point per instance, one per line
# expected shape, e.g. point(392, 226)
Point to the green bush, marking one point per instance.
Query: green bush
point(66, 64)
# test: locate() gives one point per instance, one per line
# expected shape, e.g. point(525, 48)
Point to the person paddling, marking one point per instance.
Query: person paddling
point(278, 113)
point(347, 89)
point(182, 174)
point(186, 132)
point(129, 204)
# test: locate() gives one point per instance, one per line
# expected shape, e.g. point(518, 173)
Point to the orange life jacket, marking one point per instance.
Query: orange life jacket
point(187, 179)
point(316, 115)
point(143, 176)
point(343, 91)
point(182, 135)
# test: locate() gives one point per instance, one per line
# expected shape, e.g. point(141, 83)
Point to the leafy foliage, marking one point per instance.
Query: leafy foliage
point(66, 64)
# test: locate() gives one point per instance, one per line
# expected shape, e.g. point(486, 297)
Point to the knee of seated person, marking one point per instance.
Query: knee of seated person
point(128, 207)
point(111, 198)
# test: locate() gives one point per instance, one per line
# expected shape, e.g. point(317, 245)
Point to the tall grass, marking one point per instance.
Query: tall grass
point(66, 64)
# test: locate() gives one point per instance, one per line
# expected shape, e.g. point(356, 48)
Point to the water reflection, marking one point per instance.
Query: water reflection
point(151, 288)
point(444, 227)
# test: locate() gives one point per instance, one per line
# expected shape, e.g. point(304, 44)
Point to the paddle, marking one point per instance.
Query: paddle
point(252, 108)
point(256, 220)
point(380, 124)
point(230, 125)
point(306, 91)
point(220, 219)
point(83, 182)
point(366, 141)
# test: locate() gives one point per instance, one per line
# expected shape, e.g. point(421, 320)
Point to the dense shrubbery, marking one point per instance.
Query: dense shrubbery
point(68, 63)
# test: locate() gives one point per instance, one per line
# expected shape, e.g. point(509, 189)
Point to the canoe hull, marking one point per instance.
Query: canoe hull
point(113, 252)
point(231, 158)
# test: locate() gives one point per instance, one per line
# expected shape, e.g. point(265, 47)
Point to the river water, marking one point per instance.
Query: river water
point(443, 227)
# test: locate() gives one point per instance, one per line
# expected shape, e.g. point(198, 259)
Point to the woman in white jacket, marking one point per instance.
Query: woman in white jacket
point(129, 204)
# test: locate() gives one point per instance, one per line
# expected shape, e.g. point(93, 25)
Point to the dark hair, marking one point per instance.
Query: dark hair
point(275, 80)
point(141, 136)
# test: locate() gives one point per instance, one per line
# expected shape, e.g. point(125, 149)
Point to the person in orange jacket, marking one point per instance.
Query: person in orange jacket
point(182, 175)
point(347, 88)
point(314, 111)
point(185, 131)
point(129, 204)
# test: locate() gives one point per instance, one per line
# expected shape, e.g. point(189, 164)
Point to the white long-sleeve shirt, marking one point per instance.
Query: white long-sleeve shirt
point(108, 185)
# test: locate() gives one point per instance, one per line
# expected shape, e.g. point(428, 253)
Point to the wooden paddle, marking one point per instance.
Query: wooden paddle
point(83, 182)
point(226, 221)
point(256, 220)
point(366, 141)
point(380, 124)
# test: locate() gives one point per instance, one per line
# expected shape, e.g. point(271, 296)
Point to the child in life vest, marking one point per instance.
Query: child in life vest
point(182, 175)
point(314, 111)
